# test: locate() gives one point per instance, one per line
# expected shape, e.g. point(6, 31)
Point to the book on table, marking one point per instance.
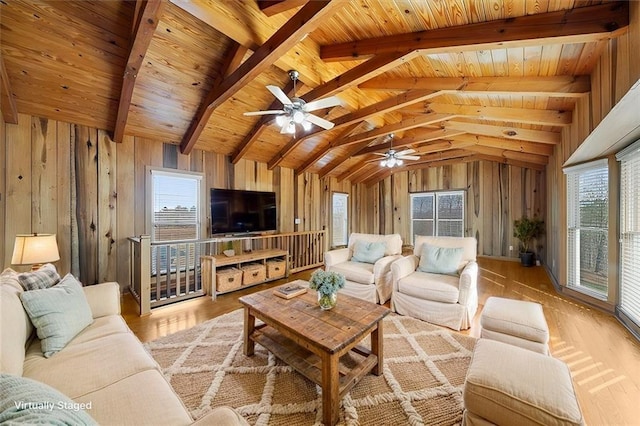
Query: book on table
point(288, 291)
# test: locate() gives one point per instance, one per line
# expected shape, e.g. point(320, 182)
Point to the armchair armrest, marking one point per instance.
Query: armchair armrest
point(468, 282)
point(333, 257)
point(383, 278)
point(383, 265)
point(403, 267)
point(104, 299)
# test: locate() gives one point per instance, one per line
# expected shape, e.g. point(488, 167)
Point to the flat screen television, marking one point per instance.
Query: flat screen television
point(235, 211)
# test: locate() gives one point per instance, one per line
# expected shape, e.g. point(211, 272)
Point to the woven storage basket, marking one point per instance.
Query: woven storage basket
point(276, 269)
point(228, 279)
point(253, 273)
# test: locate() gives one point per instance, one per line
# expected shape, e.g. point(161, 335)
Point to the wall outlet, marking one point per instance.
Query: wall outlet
point(297, 221)
point(510, 248)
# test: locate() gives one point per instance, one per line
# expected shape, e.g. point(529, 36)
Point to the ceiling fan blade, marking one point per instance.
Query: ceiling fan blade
point(406, 151)
point(325, 124)
point(384, 154)
point(279, 94)
point(408, 157)
point(267, 112)
point(322, 103)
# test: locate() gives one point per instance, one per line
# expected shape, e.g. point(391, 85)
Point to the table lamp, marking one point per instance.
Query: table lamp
point(35, 250)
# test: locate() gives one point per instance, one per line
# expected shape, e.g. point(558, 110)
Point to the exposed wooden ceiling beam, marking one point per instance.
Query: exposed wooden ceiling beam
point(582, 24)
point(150, 17)
point(387, 105)
point(418, 136)
point(406, 124)
point(231, 62)
point(316, 157)
point(562, 85)
point(354, 171)
point(302, 23)
point(513, 115)
point(350, 151)
point(512, 145)
point(505, 132)
point(273, 7)
point(7, 100)
point(511, 155)
point(243, 22)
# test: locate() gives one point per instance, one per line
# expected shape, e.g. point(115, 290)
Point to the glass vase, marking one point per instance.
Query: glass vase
point(327, 300)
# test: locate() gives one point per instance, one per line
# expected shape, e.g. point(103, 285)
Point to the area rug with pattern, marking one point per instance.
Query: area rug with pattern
point(421, 384)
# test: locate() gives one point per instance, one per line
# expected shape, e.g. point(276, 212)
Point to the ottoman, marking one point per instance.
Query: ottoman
point(509, 385)
point(516, 322)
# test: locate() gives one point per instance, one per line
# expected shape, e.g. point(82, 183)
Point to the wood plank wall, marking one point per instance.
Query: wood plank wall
point(74, 181)
point(615, 72)
point(496, 195)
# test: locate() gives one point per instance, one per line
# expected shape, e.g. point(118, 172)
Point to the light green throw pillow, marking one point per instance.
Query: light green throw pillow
point(367, 252)
point(440, 260)
point(58, 313)
point(26, 401)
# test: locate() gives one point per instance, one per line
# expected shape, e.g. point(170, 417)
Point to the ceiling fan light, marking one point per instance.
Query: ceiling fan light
point(291, 127)
point(298, 117)
point(383, 163)
point(306, 125)
point(399, 162)
point(281, 120)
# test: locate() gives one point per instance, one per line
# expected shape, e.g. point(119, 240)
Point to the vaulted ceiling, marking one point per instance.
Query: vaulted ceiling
point(456, 80)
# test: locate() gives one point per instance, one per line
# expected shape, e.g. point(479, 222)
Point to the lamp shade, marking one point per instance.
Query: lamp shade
point(32, 249)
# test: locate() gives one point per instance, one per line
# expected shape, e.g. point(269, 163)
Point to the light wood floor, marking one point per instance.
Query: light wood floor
point(603, 356)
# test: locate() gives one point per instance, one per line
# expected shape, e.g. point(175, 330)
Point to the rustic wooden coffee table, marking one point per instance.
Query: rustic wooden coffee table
point(312, 341)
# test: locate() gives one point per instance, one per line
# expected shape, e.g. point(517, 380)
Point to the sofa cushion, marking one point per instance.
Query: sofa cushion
point(15, 325)
point(434, 287)
point(45, 277)
point(101, 361)
point(101, 327)
point(440, 260)
point(26, 401)
point(155, 402)
point(58, 313)
point(469, 245)
point(367, 252)
point(355, 271)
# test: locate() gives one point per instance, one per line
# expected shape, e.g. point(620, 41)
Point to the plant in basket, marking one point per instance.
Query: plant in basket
point(327, 284)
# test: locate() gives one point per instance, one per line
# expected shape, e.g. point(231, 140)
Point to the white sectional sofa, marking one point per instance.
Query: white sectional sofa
point(104, 369)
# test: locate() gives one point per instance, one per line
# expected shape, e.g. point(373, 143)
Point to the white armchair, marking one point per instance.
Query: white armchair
point(447, 300)
point(368, 281)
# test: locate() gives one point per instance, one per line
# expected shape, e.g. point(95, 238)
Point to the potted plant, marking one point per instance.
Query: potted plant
point(526, 230)
point(327, 284)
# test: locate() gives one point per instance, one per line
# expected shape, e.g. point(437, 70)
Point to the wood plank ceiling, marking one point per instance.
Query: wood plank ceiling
point(456, 80)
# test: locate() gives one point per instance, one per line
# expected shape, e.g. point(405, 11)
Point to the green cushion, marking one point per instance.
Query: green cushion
point(367, 252)
point(440, 260)
point(59, 313)
point(26, 401)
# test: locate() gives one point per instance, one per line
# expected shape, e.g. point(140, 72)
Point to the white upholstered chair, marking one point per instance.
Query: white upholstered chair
point(447, 300)
point(368, 281)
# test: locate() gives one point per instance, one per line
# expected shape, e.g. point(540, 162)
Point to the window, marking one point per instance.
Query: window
point(629, 303)
point(437, 214)
point(340, 219)
point(588, 227)
point(175, 216)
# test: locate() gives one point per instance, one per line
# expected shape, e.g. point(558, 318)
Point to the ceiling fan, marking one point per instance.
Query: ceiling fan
point(393, 158)
point(296, 110)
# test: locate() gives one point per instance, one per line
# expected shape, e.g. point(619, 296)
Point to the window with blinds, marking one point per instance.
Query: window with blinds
point(588, 227)
point(629, 303)
point(340, 219)
point(175, 206)
point(437, 214)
